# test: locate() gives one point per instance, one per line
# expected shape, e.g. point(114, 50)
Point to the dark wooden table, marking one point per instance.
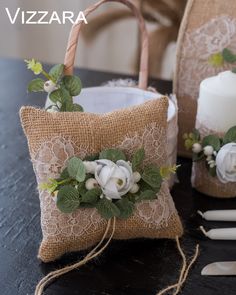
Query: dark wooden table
point(128, 267)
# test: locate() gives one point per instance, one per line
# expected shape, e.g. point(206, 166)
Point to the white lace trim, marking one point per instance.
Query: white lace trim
point(199, 45)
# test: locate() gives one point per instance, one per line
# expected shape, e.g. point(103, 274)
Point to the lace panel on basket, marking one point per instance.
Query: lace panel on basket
point(51, 158)
point(199, 45)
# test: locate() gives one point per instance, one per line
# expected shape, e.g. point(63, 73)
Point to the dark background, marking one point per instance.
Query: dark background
point(126, 267)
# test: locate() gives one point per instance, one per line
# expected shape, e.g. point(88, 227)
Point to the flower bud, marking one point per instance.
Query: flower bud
point(208, 150)
point(91, 183)
point(49, 86)
point(196, 148)
point(134, 189)
point(136, 176)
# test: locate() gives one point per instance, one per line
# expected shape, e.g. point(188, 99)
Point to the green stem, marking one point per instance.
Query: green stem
point(48, 76)
point(64, 181)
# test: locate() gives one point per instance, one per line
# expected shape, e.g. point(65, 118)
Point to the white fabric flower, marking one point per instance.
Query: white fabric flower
point(90, 166)
point(226, 163)
point(115, 179)
point(196, 148)
point(208, 150)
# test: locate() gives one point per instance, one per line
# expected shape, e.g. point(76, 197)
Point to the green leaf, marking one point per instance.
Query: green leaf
point(196, 135)
point(36, 85)
point(91, 196)
point(228, 55)
point(64, 174)
point(152, 176)
point(212, 171)
point(86, 205)
point(56, 71)
point(126, 208)
point(77, 108)
point(56, 95)
point(198, 157)
point(213, 141)
point(81, 187)
point(112, 154)
point(131, 197)
point(138, 158)
point(230, 135)
point(146, 195)
point(76, 169)
point(72, 84)
point(68, 199)
point(92, 157)
point(107, 208)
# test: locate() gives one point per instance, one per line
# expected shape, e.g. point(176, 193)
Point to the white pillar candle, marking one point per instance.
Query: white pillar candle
point(217, 102)
point(220, 233)
point(219, 215)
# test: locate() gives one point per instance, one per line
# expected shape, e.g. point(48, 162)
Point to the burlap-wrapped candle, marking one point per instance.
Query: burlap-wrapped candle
point(216, 117)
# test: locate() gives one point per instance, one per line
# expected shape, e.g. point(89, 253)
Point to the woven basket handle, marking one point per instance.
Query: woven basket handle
point(74, 36)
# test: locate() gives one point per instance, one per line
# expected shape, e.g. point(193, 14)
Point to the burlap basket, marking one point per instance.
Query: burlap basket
point(55, 137)
point(207, 28)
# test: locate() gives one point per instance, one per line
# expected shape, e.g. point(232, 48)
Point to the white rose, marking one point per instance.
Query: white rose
point(226, 163)
point(197, 148)
point(208, 150)
point(90, 166)
point(115, 179)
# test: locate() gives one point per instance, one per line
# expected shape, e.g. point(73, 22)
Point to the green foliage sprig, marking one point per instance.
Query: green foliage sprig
point(226, 56)
point(77, 187)
point(207, 148)
point(60, 88)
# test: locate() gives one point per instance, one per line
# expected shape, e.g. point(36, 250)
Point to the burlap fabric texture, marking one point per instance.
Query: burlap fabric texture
point(55, 137)
point(203, 181)
point(207, 28)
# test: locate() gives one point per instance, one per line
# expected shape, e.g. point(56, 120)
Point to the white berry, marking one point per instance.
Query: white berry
point(209, 158)
point(134, 189)
point(91, 183)
point(208, 150)
point(212, 165)
point(49, 86)
point(196, 148)
point(136, 176)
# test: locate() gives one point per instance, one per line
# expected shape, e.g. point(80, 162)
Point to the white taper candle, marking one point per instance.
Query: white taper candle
point(220, 233)
point(219, 215)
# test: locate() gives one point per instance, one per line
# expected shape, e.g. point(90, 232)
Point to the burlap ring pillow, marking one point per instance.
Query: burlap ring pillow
point(207, 28)
point(53, 138)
